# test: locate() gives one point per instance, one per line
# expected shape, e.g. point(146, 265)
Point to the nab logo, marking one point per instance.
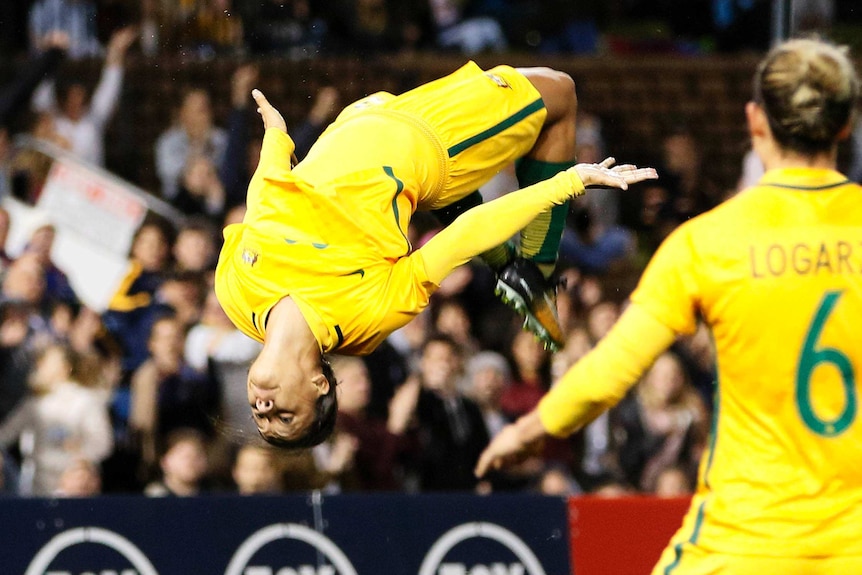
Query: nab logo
point(495, 561)
point(242, 564)
point(125, 559)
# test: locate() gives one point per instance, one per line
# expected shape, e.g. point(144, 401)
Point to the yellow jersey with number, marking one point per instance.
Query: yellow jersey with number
point(776, 274)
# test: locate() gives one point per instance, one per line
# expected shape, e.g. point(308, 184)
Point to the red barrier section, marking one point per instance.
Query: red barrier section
point(621, 536)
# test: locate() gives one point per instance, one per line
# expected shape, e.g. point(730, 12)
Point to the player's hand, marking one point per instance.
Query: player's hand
point(512, 445)
point(271, 117)
point(606, 174)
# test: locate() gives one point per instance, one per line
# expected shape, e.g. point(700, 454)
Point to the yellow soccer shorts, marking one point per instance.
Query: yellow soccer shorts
point(474, 122)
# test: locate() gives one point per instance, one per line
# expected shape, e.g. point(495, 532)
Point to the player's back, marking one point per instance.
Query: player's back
point(778, 276)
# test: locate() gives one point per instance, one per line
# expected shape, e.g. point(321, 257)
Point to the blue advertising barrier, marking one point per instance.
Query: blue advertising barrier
point(291, 535)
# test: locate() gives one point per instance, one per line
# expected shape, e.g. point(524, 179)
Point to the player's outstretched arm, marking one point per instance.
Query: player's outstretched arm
point(488, 225)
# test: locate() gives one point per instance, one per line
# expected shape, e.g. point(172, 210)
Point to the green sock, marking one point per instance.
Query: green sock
point(540, 240)
point(497, 257)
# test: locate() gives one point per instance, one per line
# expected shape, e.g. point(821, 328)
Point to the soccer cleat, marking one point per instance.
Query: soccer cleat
point(521, 285)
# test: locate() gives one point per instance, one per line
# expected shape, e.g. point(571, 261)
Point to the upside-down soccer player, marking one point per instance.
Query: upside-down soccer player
point(322, 264)
point(776, 274)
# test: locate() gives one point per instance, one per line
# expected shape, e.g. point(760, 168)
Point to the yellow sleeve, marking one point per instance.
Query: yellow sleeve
point(274, 166)
point(602, 377)
point(275, 155)
point(669, 289)
point(483, 227)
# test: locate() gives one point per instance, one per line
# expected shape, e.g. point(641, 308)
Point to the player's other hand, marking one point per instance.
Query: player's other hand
point(512, 445)
point(271, 117)
point(606, 174)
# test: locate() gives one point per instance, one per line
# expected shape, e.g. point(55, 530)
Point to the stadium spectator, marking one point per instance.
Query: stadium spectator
point(594, 241)
point(23, 288)
point(376, 26)
point(288, 28)
point(408, 340)
point(155, 28)
point(29, 167)
point(532, 376)
point(182, 294)
point(256, 470)
point(488, 377)
point(787, 440)
point(14, 96)
point(449, 428)
point(80, 122)
point(75, 18)
point(81, 478)
point(195, 246)
point(692, 192)
point(379, 442)
point(57, 285)
point(210, 28)
point(133, 308)
point(334, 460)
point(193, 135)
point(451, 319)
point(18, 340)
point(183, 465)
point(201, 192)
point(239, 157)
point(456, 30)
point(166, 393)
point(323, 110)
point(214, 347)
point(663, 423)
point(63, 419)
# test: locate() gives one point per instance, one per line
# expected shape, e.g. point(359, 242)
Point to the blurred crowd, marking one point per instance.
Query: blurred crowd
point(149, 394)
point(303, 29)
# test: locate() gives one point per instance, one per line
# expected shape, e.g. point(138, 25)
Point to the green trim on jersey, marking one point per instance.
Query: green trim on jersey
point(399, 188)
point(677, 549)
point(806, 188)
point(526, 111)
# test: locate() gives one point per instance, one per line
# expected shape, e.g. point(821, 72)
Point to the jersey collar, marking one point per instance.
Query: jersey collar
point(807, 179)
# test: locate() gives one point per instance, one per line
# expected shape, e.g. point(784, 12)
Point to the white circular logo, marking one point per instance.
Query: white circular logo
point(96, 535)
point(270, 533)
point(434, 558)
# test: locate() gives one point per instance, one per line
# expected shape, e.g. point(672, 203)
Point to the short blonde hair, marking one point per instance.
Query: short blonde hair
point(808, 88)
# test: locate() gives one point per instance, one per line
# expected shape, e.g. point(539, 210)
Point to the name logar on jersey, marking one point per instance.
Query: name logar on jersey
point(805, 258)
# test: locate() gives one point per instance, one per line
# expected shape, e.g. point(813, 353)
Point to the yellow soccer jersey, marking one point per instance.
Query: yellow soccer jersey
point(776, 273)
point(313, 243)
point(332, 232)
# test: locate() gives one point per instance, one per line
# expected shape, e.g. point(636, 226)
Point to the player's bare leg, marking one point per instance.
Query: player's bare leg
point(524, 283)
